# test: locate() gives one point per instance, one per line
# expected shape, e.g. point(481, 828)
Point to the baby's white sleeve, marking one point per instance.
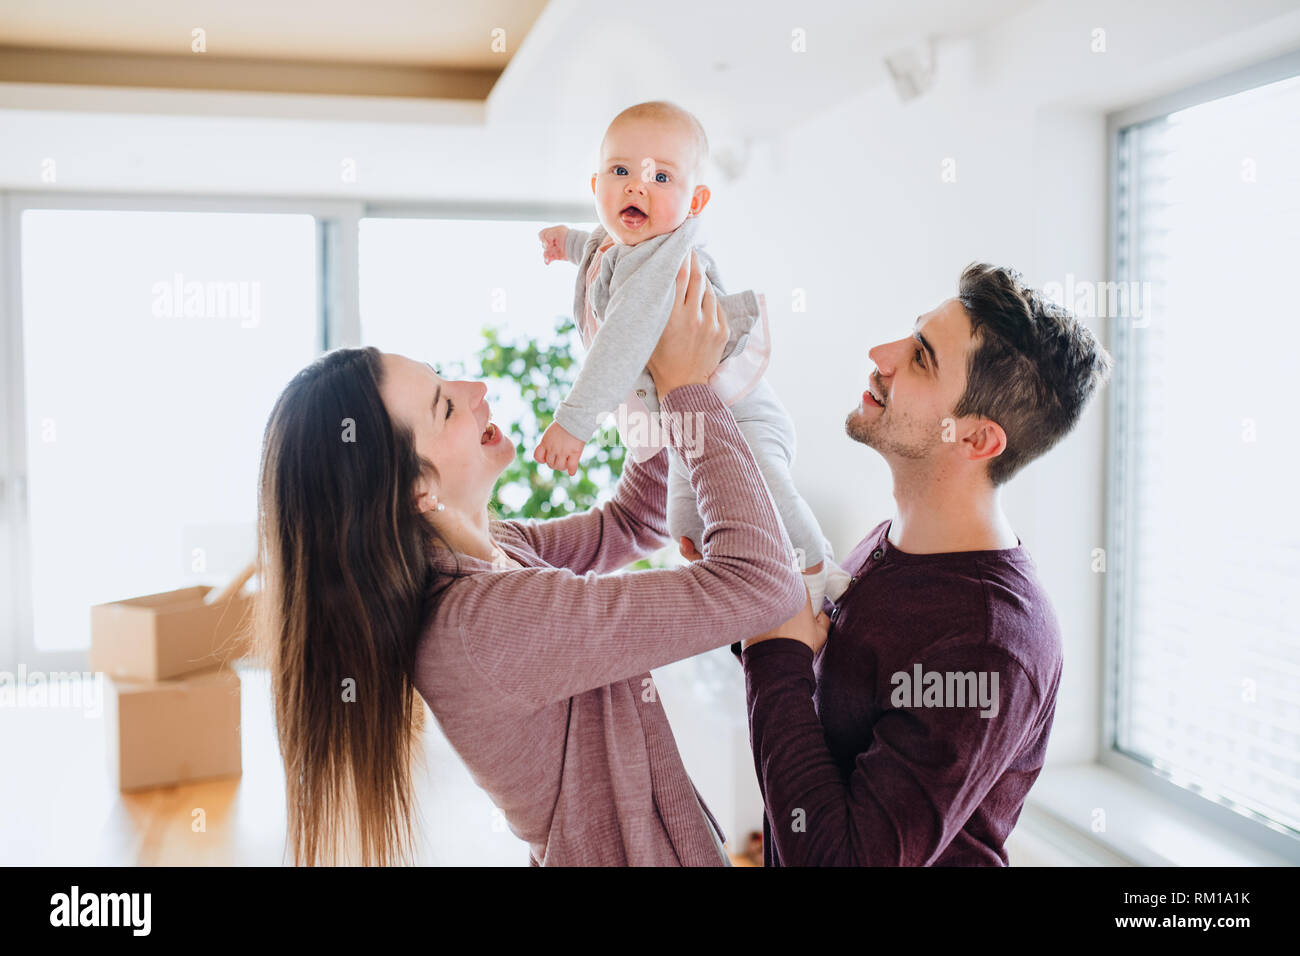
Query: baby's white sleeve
point(574, 243)
point(641, 295)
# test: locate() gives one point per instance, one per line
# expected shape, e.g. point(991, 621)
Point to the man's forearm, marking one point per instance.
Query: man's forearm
point(796, 773)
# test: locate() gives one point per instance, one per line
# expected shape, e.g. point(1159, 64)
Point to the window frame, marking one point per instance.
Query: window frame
point(338, 323)
point(1266, 834)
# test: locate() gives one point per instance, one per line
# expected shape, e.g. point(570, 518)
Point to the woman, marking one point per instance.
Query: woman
point(383, 576)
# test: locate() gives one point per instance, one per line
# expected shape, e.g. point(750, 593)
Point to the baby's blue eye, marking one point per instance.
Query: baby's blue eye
point(661, 177)
point(620, 170)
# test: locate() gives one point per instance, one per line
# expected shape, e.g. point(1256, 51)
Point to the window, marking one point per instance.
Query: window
point(1203, 603)
point(429, 286)
point(153, 346)
point(147, 340)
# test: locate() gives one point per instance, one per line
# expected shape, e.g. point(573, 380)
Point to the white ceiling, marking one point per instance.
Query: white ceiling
point(729, 60)
point(447, 33)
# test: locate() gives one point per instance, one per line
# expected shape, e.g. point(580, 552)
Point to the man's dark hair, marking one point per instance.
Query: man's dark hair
point(1032, 367)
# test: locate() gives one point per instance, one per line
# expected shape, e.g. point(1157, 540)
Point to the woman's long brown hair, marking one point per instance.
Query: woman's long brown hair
point(345, 584)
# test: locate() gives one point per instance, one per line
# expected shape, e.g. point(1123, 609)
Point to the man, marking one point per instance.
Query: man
point(913, 737)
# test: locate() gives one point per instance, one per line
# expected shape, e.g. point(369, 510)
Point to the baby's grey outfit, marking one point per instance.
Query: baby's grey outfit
point(633, 296)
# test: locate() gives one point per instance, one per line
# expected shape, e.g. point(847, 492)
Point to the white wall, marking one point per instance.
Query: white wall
point(850, 207)
point(264, 156)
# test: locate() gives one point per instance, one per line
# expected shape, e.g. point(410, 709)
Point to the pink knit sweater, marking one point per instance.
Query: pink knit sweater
point(539, 676)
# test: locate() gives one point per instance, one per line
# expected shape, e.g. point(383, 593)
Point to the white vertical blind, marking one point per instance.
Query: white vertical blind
point(1208, 557)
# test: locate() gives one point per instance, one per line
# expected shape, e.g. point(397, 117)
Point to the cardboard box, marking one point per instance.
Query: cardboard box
point(174, 731)
point(161, 636)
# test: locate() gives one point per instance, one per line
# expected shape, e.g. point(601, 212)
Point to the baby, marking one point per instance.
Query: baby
point(648, 199)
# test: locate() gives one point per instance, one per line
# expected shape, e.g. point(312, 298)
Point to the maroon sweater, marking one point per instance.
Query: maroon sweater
point(855, 769)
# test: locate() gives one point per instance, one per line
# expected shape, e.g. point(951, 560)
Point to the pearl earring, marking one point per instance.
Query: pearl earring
point(440, 506)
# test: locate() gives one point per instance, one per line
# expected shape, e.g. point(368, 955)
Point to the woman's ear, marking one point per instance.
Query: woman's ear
point(426, 499)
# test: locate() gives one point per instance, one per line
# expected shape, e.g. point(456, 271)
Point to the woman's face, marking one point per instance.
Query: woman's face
point(450, 422)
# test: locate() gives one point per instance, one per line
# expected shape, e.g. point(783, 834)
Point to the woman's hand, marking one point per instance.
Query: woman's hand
point(693, 341)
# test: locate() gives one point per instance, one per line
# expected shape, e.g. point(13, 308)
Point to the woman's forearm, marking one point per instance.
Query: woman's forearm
point(544, 634)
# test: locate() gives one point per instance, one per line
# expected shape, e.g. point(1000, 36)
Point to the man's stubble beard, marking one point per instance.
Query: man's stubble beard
point(873, 435)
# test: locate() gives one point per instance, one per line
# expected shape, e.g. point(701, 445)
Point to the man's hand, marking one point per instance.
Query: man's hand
point(559, 449)
point(553, 240)
point(802, 627)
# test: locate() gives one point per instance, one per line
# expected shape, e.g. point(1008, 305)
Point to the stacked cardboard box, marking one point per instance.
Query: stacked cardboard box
point(172, 707)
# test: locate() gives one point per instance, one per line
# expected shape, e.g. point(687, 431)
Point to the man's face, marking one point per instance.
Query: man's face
point(920, 379)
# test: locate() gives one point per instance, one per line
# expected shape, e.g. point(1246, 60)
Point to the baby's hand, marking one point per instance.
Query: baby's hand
point(559, 449)
point(553, 239)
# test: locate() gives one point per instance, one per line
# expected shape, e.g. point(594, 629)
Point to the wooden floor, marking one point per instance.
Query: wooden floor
point(59, 808)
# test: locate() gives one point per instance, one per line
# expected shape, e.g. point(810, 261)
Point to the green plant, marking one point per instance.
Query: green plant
point(543, 373)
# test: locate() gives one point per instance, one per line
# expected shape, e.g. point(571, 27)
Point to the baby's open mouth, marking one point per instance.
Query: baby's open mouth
point(632, 217)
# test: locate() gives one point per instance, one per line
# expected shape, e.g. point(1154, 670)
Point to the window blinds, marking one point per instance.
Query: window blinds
point(1205, 563)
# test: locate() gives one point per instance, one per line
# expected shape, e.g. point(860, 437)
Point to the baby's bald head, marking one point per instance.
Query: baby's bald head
point(665, 114)
point(646, 183)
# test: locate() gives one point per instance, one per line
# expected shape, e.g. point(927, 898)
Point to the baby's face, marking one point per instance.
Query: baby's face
point(645, 185)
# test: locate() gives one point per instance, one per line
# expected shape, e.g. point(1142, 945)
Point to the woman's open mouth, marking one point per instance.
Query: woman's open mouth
point(632, 217)
point(491, 435)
